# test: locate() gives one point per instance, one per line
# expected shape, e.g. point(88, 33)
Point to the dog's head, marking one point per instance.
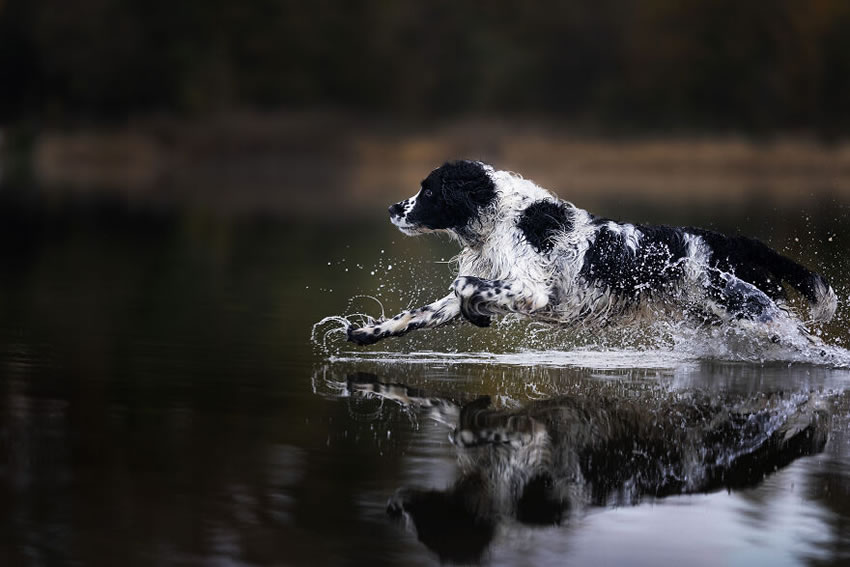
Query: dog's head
point(451, 199)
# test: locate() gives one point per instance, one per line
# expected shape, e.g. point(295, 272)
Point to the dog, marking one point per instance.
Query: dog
point(527, 252)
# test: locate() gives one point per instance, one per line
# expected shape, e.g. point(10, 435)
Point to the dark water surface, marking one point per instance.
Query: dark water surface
point(161, 402)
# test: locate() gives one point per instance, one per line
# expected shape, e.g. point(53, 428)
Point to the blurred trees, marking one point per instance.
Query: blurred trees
point(655, 64)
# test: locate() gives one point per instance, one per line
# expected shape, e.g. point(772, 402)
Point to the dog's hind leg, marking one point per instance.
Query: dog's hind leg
point(751, 308)
point(743, 300)
point(481, 299)
point(432, 315)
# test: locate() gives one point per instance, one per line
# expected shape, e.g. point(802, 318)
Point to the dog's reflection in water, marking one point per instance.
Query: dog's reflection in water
point(543, 462)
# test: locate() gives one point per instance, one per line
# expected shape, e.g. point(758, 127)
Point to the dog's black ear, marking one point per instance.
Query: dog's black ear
point(466, 187)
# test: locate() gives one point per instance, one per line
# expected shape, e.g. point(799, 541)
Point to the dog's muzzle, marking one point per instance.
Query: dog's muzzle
point(398, 216)
point(397, 210)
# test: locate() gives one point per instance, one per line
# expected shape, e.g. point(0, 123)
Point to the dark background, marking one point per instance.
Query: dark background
point(187, 186)
point(756, 67)
point(275, 107)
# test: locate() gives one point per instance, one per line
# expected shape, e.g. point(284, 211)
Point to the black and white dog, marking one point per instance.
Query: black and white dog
point(527, 252)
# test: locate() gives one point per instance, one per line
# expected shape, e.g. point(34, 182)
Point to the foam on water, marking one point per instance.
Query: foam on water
point(663, 345)
point(514, 340)
point(583, 358)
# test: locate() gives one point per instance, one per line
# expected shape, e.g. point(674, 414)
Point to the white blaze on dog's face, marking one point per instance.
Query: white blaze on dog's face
point(450, 198)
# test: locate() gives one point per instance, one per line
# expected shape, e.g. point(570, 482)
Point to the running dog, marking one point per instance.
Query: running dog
point(527, 252)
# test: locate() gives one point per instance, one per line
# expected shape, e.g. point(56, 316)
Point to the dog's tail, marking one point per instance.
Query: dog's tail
point(825, 302)
point(753, 258)
point(822, 299)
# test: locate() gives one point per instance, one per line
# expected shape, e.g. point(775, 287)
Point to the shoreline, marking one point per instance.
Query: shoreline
point(293, 163)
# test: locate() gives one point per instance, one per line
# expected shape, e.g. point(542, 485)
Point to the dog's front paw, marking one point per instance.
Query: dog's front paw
point(470, 314)
point(468, 290)
point(472, 307)
point(364, 335)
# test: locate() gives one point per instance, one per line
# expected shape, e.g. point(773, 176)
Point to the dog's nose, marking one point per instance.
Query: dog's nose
point(396, 210)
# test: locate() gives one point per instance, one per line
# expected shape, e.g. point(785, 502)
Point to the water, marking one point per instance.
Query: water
point(161, 402)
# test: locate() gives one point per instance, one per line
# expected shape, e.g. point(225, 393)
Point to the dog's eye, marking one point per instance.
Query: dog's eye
point(428, 193)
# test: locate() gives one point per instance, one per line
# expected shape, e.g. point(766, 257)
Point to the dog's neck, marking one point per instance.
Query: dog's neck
point(512, 196)
point(479, 230)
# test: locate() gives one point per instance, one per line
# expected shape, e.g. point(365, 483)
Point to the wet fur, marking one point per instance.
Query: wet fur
point(525, 251)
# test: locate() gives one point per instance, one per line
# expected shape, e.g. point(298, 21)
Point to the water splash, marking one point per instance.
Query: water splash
point(581, 358)
point(516, 342)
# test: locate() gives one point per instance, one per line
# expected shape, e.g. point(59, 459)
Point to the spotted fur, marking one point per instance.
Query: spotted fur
point(526, 251)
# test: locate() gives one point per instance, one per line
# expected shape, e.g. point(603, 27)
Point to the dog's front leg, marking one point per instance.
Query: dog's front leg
point(481, 299)
point(432, 315)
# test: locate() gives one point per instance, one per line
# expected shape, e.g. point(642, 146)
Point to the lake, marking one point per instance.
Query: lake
point(165, 399)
